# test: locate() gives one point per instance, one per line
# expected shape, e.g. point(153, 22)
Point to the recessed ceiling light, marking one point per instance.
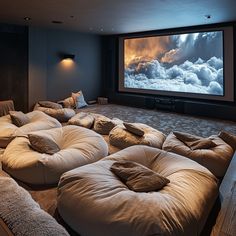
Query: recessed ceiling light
point(57, 22)
point(27, 18)
point(71, 16)
point(207, 16)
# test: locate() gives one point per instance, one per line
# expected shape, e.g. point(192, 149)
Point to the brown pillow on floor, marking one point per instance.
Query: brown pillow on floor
point(138, 177)
point(49, 104)
point(228, 138)
point(194, 142)
point(43, 144)
point(134, 129)
point(18, 118)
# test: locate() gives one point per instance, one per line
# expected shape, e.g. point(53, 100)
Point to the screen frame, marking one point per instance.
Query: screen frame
point(228, 57)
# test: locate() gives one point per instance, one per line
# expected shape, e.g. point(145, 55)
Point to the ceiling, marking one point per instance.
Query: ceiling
point(116, 16)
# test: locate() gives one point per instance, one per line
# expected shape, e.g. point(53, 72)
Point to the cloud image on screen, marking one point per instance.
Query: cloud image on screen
point(190, 63)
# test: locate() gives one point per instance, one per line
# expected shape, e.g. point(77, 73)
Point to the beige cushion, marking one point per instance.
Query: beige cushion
point(194, 142)
point(69, 102)
point(133, 128)
point(43, 144)
point(228, 138)
point(79, 99)
point(62, 115)
point(78, 146)
point(103, 125)
point(122, 138)
point(38, 121)
point(216, 159)
point(138, 177)
point(50, 104)
point(18, 118)
point(82, 119)
point(94, 201)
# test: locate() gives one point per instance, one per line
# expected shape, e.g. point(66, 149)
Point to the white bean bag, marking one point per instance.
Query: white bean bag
point(78, 146)
point(38, 121)
point(94, 201)
point(215, 159)
point(120, 137)
point(62, 114)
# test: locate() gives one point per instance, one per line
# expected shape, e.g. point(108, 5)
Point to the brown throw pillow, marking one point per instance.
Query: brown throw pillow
point(194, 142)
point(18, 118)
point(49, 104)
point(82, 119)
point(103, 125)
point(43, 144)
point(228, 138)
point(134, 129)
point(138, 177)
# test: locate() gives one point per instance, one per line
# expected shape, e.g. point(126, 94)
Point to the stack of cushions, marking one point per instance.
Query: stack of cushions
point(212, 152)
point(18, 123)
point(93, 200)
point(55, 110)
point(41, 157)
point(75, 101)
point(129, 134)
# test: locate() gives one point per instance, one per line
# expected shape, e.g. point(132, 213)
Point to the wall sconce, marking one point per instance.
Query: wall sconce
point(65, 56)
point(67, 60)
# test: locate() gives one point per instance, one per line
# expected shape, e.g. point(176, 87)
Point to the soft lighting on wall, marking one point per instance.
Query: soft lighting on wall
point(67, 60)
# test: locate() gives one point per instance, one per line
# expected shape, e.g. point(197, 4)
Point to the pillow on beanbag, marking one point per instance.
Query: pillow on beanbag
point(68, 102)
point(79, 99)
point(49, 104)
point(194, 142)
point(228, 138)
point(18, 118)
point(138, 177)
point(82, 119)
point(133, 128)
point(43, 144)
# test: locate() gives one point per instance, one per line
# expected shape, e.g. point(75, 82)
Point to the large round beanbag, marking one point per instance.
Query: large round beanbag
point(37, 121)
point(94, 201)
point(120, 137)
point(215, 159)
point(78, 146)
point(62, 114)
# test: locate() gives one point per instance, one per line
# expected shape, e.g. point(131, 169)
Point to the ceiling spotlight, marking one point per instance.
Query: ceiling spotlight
point(71, 16)
point(27, 18)
point(208, 16)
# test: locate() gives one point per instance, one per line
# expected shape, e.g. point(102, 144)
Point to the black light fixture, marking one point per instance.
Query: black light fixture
point(65, 56)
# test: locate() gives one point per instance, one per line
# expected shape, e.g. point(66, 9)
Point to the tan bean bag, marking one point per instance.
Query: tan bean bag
point(62, 115)
point(93, 201)
point(78, 146)
point(38, 121)
point(120, 137)
point(215, 159)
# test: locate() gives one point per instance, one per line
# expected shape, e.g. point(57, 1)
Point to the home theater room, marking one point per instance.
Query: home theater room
point(117, 118)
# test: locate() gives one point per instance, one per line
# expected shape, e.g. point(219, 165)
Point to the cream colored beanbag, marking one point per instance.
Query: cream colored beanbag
point(78, 146)
point(94, 201)
point(62, 115)
point(37, 121)
point(120, 137)
point(215, 159)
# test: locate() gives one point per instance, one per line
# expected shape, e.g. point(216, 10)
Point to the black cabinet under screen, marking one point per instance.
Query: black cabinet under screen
point(14, 65)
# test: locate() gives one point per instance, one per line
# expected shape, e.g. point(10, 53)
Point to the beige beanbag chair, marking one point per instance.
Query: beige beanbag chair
point(61, 114)
point(77, 146)
point(94, 201)
point(216, 159)
point(37, 121)
point(120, 137)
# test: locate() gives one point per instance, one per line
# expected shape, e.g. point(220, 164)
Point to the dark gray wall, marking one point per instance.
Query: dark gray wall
point(14, 65)
point(49, 79)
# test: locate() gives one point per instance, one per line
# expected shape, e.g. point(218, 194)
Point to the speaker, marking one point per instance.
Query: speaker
point(150, 103)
